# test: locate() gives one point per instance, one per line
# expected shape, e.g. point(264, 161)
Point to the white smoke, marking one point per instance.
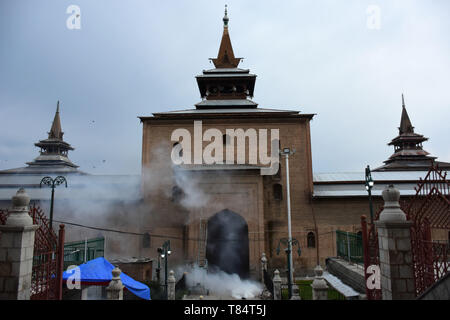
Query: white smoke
point(102, 203)
point(158, 177)
point(193, 195)
point(223, 284)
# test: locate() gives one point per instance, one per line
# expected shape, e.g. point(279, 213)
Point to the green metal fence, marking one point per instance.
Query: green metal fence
point(76, 253)
point(305, 291)
point(349, 246)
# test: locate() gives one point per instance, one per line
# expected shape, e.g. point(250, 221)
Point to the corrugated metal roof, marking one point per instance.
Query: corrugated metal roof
point(352, 184)
point(360, 176)
point(355, 193)
point(101, 187)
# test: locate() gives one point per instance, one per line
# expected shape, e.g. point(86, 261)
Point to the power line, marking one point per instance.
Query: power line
point(181, 238)
point(101, 229)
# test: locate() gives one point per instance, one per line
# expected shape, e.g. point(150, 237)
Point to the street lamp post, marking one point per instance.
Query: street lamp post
point(165, 255)
point(52, 183)
point(369, 186)
point(288, 250)
point(286, 152)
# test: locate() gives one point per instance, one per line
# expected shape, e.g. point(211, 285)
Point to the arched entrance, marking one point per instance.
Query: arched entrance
point(227, 246)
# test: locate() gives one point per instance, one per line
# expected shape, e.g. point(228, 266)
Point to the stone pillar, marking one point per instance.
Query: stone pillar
point(265, 294)
point(16, 250)
point(263, 266)
point(394, 239)
point(319, 285)
point(84, 292)
point(171, 286)
point(295, 292)
point(114, 291)
point(276, 285)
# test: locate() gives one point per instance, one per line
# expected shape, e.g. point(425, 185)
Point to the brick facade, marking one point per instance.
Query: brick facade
point(245, 192)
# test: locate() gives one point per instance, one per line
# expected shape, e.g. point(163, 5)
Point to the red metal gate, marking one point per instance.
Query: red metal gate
point(46, 279)
point(371, 254)
point(3, 215)
point(429, 210)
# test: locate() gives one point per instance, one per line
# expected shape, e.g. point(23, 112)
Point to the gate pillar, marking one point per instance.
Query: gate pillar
point(394, 240)
point(16, 250)
point(276, 285)
point(319, 285)
point(171, 286)
point(114, 291)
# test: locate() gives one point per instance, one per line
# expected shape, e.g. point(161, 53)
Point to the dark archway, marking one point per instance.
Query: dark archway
point(227, 246)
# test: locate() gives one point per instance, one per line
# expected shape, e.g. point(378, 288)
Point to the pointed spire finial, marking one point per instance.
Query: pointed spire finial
point(55, 130)
point(405, 122)
point(225, 18)
point(225, 57)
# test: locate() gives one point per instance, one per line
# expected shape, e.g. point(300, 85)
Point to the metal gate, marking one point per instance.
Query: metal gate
point(46, 278)
point(429, 210)
point(48, 257)
point(371, 253)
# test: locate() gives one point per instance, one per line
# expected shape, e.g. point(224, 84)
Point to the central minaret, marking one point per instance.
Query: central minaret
point(226, 86)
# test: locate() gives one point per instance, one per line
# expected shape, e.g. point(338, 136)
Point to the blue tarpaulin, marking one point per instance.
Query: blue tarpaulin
point(99, 271)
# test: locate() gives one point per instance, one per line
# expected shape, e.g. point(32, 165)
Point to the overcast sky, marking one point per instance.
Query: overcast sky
point(132, 58)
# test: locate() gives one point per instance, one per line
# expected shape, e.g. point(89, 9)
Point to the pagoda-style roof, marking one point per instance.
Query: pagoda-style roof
point(408, 151)
point(47, 143)
point(53, 156)
point(226, 82)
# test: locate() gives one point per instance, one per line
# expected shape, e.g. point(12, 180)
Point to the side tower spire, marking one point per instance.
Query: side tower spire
point(409, 154)
point(54, 150)
point(55, 130)
point(405, 122)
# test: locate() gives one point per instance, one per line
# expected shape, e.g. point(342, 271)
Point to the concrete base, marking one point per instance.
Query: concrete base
point(350, 274)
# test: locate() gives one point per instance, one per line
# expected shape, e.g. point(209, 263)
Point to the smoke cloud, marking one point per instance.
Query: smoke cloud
point(222, 284)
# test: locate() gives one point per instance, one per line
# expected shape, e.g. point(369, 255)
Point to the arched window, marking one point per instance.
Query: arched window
point(146, 240)
point(311, 240)
point(277, 191)
point(177, 194)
